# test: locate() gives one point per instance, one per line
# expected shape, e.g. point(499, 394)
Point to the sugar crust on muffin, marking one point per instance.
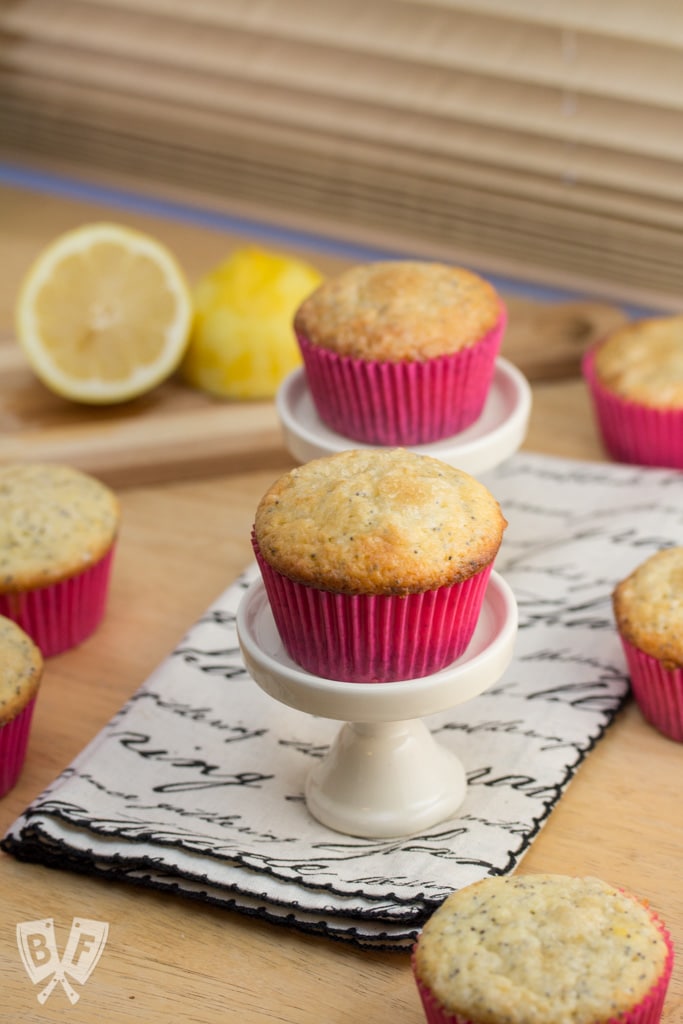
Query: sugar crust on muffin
point(531, 949)
point(378, 521)
point(55, 522)
point(21, 668)
point(399, 311)
point(643, 362)
point(648, 607)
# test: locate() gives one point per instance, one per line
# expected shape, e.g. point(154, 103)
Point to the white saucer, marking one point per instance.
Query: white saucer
point(484, 661)
point(497, 434)
point(384, 775)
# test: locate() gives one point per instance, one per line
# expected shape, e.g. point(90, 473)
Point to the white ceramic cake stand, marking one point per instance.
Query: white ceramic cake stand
point(384, 774)
point(497, 434)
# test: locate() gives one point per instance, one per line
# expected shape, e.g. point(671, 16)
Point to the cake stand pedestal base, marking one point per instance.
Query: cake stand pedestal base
point(385, 779)
point(384, 775)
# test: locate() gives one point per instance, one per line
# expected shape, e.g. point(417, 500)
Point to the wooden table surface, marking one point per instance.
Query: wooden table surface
point(182, 541)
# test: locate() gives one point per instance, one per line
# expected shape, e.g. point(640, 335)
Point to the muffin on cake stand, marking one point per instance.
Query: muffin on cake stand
point(384, 775)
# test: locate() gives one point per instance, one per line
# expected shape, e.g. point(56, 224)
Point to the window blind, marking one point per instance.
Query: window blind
point(541, 140)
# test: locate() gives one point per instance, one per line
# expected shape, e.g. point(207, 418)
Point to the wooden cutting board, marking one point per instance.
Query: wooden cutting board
point(176, 432)
point(172, 433)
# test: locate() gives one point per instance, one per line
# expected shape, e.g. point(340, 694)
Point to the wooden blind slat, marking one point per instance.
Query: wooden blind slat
point(519, 127)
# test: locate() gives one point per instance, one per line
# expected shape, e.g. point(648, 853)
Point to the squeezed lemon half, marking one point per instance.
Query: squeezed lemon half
point(242, 343)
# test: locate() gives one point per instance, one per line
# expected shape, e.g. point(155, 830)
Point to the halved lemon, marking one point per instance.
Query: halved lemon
point(104, 314)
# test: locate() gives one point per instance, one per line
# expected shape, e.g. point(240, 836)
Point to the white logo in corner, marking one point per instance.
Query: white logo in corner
point(38, 949)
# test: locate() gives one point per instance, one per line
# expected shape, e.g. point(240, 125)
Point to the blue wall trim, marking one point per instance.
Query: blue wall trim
point(30, 179)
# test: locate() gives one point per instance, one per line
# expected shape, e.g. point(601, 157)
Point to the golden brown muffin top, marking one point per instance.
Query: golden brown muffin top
point(643, 362)
point(21, 669)
point(378, 521)
point(398, 311)
point(55, 522)
point(540, 949)
point(648, 607)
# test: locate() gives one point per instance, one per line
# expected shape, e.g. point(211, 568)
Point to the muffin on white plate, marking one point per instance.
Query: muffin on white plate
point(402, 352)
point(376, 562)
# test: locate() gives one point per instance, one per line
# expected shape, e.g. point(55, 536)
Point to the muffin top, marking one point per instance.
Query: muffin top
point(55, 522)
point(648, 607)
point(21, 668)
point(535, 949)
point(378, 521)
point(643, 362)
point(399, 311)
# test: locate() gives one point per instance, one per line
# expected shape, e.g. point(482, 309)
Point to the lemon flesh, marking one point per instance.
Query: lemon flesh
point(242, 343)
point(104, 314)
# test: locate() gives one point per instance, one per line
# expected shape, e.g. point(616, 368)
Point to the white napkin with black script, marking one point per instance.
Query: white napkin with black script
point(196, 785)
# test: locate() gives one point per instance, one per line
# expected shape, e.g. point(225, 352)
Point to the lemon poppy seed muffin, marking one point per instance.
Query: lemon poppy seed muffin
point(648, 609)
point(635, 377)
point(648, 606)
point(58, 528)
point(398, 311)
point(378, 522)
point(643, 362)
point(55, 521)
point(368, 536)
point(542, 949)
point(21, 670)
point(400, 352)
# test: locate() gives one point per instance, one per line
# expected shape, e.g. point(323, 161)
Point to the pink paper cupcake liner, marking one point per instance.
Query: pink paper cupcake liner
point(373, 639)
point(62, 615)
point(632, 432)
point(401, 404)
point(657, 690)
point(13, 744)
point(647, 1011)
